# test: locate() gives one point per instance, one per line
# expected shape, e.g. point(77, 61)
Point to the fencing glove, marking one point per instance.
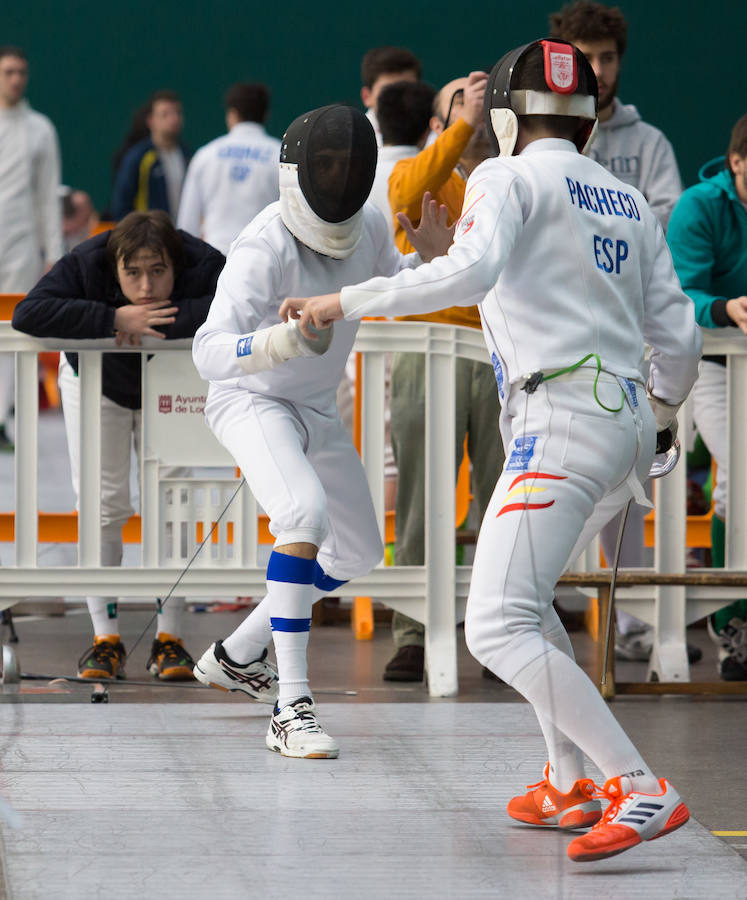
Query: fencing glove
point(269, 347)
point(666, 421)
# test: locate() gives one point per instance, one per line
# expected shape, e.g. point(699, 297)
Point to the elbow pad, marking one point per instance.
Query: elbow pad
point(269, 347)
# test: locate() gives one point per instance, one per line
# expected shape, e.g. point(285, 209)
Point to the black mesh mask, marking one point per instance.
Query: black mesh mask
point(335, 150)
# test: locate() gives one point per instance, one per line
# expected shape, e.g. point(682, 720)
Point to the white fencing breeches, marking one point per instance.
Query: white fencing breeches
point(306, 474)
point(567, 472)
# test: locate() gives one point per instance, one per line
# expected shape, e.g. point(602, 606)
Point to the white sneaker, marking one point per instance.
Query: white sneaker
point(258, 678)
point(294, 731)
point(630, 818)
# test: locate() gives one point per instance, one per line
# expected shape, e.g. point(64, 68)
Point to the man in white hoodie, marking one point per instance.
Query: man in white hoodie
point(30, 214)
point(631, 149)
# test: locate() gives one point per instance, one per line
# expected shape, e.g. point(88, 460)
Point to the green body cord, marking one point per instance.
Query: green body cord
point(578, 365)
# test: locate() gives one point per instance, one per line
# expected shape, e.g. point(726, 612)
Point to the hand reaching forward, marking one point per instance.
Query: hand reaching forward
point(321, 312)
point(433, 236)
point(133, 321)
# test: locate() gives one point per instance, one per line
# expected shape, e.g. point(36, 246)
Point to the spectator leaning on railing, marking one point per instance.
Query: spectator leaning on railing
point(142, 278)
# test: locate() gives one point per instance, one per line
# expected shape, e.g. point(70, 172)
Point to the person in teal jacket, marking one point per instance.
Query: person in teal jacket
point(708, 238)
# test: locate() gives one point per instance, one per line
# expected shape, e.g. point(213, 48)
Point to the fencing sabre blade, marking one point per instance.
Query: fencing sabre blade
point(662, 465)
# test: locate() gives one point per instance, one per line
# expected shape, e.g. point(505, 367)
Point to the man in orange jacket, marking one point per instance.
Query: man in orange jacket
point(441, 168)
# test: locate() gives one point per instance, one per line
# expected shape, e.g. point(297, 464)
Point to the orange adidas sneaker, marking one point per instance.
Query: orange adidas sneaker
point(629, 819)
point(543, 805)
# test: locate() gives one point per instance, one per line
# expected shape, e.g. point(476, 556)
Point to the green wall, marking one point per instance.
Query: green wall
point(93, 64)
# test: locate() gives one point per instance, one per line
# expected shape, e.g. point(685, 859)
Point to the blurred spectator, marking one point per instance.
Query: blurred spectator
point(404, 111)
point(144, 278)
point(78, 217)
point(380, 67)
point(138, 132)
point(708, 239)
point(441, 168)
point(234, 177)
point(30, 221)
point(151, 173)
point(634, 151)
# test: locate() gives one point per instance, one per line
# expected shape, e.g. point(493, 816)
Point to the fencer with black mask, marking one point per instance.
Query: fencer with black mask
point(572, 275)
point(272, 404)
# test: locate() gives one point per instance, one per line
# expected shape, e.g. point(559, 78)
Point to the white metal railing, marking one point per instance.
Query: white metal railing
point(427, 593)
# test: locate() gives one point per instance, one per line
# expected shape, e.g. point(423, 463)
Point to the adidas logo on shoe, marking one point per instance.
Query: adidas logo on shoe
point(547, 805)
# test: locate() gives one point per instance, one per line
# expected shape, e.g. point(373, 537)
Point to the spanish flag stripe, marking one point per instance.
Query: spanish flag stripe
point(524, 489)
point(512, 506)
point(536, 475)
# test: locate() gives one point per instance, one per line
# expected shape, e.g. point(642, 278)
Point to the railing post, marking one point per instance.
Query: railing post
point(440, 556)
point(669, 655)
point(89, 501)
point(26, 460)
point(736, 428)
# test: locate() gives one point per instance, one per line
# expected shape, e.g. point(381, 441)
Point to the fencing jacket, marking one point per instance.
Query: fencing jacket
point(267, 264)
point(228, 182)
point(30, 214)
point(564, 260)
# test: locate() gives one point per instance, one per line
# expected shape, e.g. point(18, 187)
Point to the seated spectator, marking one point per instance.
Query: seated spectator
point(404, 112)
point(382, 66)
point(142, 278)
point(708, 239)
point(234, 177)
point(151, 173)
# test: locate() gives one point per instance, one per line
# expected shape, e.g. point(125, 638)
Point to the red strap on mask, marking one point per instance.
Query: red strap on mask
point(561, 69)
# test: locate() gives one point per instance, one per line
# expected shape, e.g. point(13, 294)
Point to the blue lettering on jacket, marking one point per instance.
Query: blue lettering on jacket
point(497, 368)
point(602, 201)
point(604, 257)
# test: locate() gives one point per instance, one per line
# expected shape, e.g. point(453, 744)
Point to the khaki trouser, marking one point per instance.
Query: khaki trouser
point(477, 411)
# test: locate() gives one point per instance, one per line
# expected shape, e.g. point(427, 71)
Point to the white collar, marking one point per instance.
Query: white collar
point(335, 239)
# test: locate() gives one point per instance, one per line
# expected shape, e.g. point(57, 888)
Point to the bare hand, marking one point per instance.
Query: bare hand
point(433, 236)
point(133, 321)
point(474, 92)
point(736, 310)
point(321, 312)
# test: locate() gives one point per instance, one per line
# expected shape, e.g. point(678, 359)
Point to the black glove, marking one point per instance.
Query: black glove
point(665, 439)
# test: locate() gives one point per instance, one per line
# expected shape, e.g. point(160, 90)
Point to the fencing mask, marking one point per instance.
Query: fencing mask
point(548, 78)
point(327, 168)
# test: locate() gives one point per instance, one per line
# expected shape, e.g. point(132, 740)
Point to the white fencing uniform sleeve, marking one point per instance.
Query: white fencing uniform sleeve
point(191, 206)
point(491, 222)
point(669, 327)
point(246, 295)
point(46, 195)
point(390, 260)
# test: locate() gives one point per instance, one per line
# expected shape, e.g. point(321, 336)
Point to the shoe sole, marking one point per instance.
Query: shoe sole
point(678, 818)
point(276, 748)
point(204, 678)
point(570, 821)
point(97, 674)
point(181, 673)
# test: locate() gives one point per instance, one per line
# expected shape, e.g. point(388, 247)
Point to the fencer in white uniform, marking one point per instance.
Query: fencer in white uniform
point(272, 403)
point(572, 273)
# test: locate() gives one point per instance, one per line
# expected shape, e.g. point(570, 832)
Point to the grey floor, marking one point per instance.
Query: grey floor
point(169, 791)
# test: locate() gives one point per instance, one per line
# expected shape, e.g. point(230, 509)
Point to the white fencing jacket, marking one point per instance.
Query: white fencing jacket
point(228, 182)
point(30, 212)
point(267, 264)
point(563, 260)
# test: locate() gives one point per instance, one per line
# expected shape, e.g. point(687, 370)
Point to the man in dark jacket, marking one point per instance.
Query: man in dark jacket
point(142, 278)
point(151, 173)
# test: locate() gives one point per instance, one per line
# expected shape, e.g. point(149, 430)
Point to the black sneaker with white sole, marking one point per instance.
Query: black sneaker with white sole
point(258, 678)
point(294, 731)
